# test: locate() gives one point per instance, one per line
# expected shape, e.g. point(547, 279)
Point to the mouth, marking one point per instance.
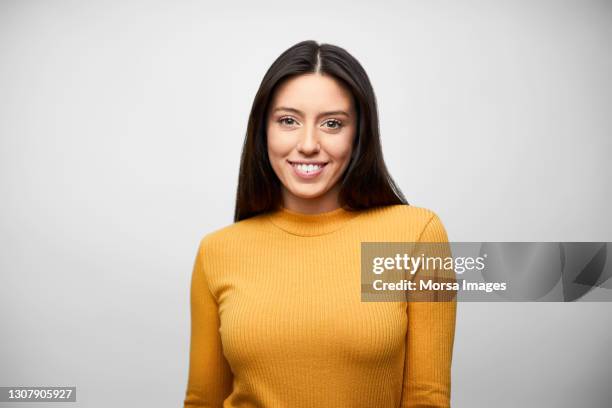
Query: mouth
point(307, 170)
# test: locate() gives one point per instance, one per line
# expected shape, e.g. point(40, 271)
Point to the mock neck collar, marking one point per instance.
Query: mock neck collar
point(310, 225)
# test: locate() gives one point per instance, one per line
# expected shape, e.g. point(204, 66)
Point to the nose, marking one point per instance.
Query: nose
point(309, 143)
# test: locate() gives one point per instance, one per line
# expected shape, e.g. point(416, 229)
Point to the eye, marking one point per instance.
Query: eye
point(335, 124)
point(287, 120)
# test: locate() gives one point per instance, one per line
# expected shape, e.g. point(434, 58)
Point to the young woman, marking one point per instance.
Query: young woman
point(276, 313)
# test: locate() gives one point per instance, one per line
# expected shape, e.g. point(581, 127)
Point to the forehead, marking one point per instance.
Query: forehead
point(313, 93)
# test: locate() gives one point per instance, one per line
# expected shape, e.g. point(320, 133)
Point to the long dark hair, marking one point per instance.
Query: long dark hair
point(366, 182)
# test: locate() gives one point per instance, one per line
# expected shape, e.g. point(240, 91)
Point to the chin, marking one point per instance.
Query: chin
point(307, 192)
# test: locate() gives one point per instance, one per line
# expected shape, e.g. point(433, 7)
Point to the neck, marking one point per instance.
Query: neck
point(325, 203)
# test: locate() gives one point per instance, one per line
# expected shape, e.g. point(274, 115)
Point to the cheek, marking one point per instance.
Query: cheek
point(340, 148)
point(278, 146)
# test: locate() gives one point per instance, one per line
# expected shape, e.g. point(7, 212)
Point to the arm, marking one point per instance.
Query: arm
point(429, 340)
point(210, 377)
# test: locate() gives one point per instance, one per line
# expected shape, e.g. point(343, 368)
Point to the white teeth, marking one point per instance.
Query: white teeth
point(308, 168)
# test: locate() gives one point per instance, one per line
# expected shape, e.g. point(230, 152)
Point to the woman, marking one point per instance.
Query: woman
point(276, 312)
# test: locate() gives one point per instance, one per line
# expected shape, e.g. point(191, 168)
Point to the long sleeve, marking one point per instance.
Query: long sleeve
point(210, 377)
point(429, 340)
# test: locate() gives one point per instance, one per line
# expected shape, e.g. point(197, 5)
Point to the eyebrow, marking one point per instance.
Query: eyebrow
point(334, 112)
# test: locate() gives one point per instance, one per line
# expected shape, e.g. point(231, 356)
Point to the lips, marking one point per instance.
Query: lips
point(307, 169)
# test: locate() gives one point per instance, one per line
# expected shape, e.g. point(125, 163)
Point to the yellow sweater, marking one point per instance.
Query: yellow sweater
point(277, 319)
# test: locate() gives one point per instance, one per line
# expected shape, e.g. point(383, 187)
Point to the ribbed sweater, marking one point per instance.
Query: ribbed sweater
point(277, 319)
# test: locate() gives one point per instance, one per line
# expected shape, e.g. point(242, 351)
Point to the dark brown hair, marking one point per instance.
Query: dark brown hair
point(366, 183)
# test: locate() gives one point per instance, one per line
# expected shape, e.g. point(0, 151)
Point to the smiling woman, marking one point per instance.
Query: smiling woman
point(314, 105)
point(276, 313)
point(310, 132)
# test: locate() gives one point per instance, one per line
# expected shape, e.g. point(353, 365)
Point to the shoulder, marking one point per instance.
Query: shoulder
point(403, 213)
point(227, 235)
point(410, 222)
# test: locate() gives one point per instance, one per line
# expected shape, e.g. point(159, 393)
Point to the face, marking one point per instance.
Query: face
point(311, 126)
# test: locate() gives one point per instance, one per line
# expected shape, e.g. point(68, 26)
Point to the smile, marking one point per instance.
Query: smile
point(307, 170)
